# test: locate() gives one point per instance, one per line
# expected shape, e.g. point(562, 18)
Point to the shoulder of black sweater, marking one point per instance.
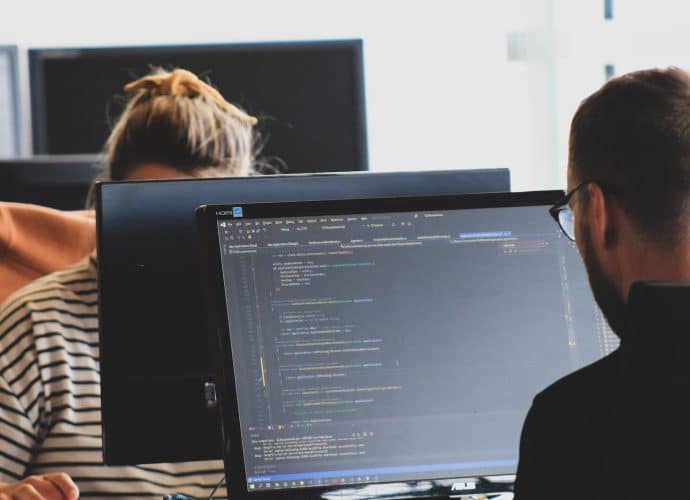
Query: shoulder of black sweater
point(589, 385)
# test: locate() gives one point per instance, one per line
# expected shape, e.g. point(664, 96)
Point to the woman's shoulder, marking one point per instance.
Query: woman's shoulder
point(72, 289)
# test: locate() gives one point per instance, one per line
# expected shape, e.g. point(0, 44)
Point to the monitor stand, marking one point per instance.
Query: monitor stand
point(474, 488)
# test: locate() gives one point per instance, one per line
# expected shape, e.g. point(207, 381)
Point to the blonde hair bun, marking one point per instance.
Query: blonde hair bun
point(173, 118)
point(183, 83)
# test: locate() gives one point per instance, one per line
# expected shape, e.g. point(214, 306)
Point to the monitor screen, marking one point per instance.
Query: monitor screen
point(394, 341)
point(61, 182)
point(150, 297)
point(308, 96)
point(10, 139)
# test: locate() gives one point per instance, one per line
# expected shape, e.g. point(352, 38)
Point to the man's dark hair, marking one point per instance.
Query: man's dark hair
point(634, 135)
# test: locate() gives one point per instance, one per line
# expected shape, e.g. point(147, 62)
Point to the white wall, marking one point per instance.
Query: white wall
point(8, 132)
point(450, 83)
point(441, 92)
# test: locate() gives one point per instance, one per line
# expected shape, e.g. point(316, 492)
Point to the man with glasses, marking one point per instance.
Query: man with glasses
point(628, 210)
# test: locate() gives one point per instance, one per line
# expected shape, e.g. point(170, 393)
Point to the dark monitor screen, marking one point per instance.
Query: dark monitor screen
point(60, 182)
point(154, 349)
point(308, 96)
point(392, 340)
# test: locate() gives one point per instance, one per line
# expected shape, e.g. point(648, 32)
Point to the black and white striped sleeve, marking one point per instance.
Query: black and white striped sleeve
point(17, 436)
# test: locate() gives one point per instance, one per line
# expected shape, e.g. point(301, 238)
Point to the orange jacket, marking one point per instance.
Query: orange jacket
point(36, 240)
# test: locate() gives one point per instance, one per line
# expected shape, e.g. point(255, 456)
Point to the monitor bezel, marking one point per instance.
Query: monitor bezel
point(38, 56)
point(218, 327)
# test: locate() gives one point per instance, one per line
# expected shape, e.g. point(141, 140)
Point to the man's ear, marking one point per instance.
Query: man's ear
point(601, 217)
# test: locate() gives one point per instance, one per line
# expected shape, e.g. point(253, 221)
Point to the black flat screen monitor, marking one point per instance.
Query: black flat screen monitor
point(309, 96)
point(154, 349)
point(389, 341)
point(61, 182)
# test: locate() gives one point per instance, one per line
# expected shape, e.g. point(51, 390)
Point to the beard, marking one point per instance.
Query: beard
point(603, 288)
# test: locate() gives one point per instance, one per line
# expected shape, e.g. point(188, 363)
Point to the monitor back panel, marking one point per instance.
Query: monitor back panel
point(60, 182)
point(154, 350)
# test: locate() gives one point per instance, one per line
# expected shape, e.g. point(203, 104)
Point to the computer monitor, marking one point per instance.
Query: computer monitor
point(309, 96)
point(61, 182)
point(387, 341)
point(10, 129)
point(154, 349)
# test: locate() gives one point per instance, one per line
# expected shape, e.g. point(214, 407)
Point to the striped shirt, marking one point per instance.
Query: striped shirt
point(50, 405)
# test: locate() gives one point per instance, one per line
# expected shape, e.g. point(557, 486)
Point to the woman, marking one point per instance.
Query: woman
point(174, 126)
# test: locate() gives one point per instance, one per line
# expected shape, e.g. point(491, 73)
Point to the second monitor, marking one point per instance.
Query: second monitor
point(308, 96)
point(154, 349)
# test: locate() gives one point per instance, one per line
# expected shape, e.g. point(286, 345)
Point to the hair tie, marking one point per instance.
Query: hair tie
point(185, 83)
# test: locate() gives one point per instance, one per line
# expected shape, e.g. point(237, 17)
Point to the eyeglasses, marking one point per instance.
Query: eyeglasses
point(562, 213)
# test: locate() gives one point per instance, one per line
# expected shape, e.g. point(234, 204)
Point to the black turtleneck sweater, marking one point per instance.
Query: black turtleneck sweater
point(618, 428)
